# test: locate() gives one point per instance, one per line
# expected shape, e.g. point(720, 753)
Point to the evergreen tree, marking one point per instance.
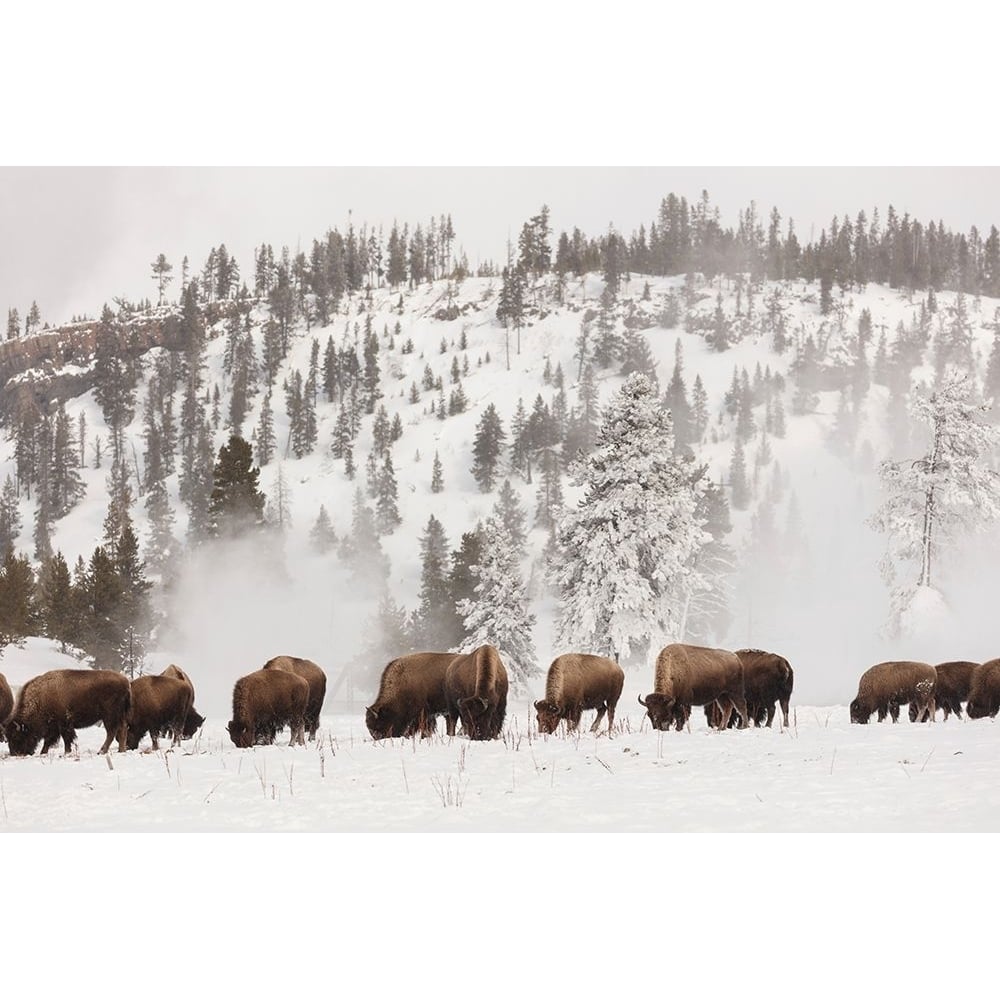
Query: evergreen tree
point(676, 401)
point(55, 602)
point(265, 433)
point(509, 512)
point(462, 580)
point(636, 355)
point(387, 517)
point(433, 615)
point(625, 551)
point(18, 612)
point(437, 476)
point(237, 504)
point(699, 410)
point(361, 549)
point(10, 515)
point(487, 447)
point(278, 512)
point(740, 489)
point(132, 610)
point(321, 535)
point(550, 494)
point(161, 547)
point(499, 614)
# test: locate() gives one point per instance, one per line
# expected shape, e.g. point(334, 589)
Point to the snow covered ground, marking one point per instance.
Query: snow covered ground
point(821, 774)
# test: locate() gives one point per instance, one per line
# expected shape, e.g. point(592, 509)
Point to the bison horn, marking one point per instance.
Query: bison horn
point(641, 702)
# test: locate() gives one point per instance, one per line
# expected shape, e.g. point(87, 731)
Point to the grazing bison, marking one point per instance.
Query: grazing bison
point(158, 702)
point(313, 676)
point(6, 704)
point(767, 680)
point(56, 703)
point(886, 686)
point(984, 693)
point(475, 687)
point(265, 702)
point(194, 720)
point(952, 688)
point(695, 675)
point(576, 682)
point(410, 696)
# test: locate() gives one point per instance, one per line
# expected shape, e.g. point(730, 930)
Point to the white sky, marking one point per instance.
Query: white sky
point(75, 237)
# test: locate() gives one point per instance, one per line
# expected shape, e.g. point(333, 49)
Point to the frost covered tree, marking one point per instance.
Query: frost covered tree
point(512, 516)
point(931, 499)
point(387, 517)
point(437, 475)
point(322, 536)
point(626, 549)
point(432, 618)
point(487, 448)
point(498, 614)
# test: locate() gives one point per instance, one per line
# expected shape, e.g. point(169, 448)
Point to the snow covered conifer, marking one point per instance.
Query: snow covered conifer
point(499, 614)
point(487, 447)
point(322, 535)
point(626, 548)
point(437, 476)
point(738, 477)
point(511, 515)
point(928, 501)
point(387, 516)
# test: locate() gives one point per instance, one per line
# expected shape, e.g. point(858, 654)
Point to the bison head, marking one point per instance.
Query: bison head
point(192, 724)
point(21, 739)
point(973, 709)
point(660, 709)
point(472, 712)
point(548, 716)
point(240, 733)
point(859, 713)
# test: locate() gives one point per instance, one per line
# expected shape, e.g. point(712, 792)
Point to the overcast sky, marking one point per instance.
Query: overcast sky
point(75, 237)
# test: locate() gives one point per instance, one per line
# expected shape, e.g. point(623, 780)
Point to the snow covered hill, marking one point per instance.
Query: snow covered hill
point(813, 592)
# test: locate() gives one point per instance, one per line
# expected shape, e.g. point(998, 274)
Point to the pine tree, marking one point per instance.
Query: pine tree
point(278, 513)
point(437, 476)
point(55, 602)
point(237, 504)
point(699, 410)
point(739, 488)
point(462, 580)
point(265, 440)
point(487, 448)
point(10, 515)
point(676, 401)
point(499, 614)
point(362, 550)
point(432, 618)
point(387, 517)
point(550, 494)
point(930, 500)
point(509, 512)
point(161, 546)
point(626, 549)
point(18, 612)
point(321, 535)
point(132, 611)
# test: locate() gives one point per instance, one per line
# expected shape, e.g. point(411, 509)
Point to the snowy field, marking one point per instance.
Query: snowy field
point(821, 774)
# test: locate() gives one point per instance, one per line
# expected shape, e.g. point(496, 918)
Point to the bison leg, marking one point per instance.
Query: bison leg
point(601, 712)
point(894, 710)
point(882, 713)
point(450, 722)
point(784, 710)
point(612, 705)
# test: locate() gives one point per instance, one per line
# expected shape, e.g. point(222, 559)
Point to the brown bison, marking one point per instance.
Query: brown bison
point(984, 692)
point(695, 675)
point(313, 676)
point(952, 688)
point(194, 720)
point(56, 703)
point(410, 696)
point(767, 679)
point(265, 702)
point(577, 682)
point(158, 703)
point(6, 704)
point(475, 687)
point(886, 686)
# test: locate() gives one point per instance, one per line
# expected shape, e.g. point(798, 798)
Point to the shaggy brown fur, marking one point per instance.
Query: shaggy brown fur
point(410, 696)
point(952, 688)
point(886, 686)
point(265, 702)
point(984, 692)
point(6, 704)
point(475, 686)
point(194, 720)
point(767, 680)
point(158, 702)
point(313, 676)
point(577, 682)
point(55, 704)
point(695, 675)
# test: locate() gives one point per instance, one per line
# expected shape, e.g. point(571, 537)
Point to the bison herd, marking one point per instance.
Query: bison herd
point(740, 688)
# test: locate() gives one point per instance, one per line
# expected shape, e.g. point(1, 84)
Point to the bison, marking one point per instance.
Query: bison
point(984, 692)
point(695, 675)
point(265, 702)
point(56, 703)
point(952, 688)
point(475, 687)
point(158, 702)
point(576, 682)
point(410, 696)
point(885, 686)
point(313, 676)
point(194, 720)
point(6, 704)
point(767, 679)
